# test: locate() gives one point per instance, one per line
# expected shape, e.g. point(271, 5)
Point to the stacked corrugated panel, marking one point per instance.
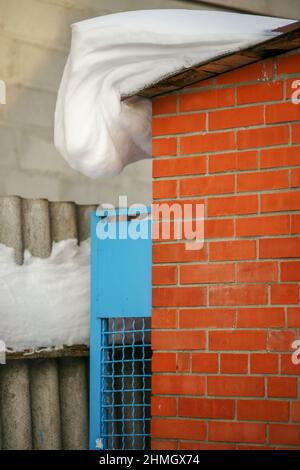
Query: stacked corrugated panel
point(43, 402)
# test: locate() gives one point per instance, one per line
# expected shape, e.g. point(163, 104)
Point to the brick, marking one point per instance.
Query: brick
point(260, 317)
point(280, 340)
point(163, 406)
point(207, 185)
point(288, 64)
point(164, 105)
point(176, 231)
point(179, 124)
point(262, 137)
point(260, 71)
point(296, 411)
point(206, 408)
point(164, 147)
point(262, 410)
point(235, 386)
point(164, 275)
point(178, 385)
point(266, 225)
point(261, 92)
point(187, 445)
point(213, 142)
point(232, 250)
point(234, 363)
point(292, 88)
point(179, 166)
point(164, 318)
point(234, 205)
point(176, 340)
point(174, 209)
point(262, 181)
point(205, 362)
point(176, 253)
point(293, 317)
point(207, 273)
point(287, 366)
point(219, 228)
point(279, 248)
point(296, 133)
point(236, 432)
point(282, 112)
point(163, 362)
point(207, 99)
point(185, 228)
point(240, 340)
point(289, 201)
point(285, 387)
point(168, 230)
point(164, 189)
point(179, 296)
point(163, 445)
point(238, 295)
point(290, 271)
point(183, 362)
point(177, 429)
point(207, 318)
point(233, 161)
point(283, 156)
point(257, 272)
point(284, 294)
point(264, 363)
point(295, 177)
point(287, 434)
point(295, 224)
point(236, 117)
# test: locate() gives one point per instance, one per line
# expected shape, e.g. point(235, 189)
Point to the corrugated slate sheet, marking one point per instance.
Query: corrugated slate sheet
point(43, 402)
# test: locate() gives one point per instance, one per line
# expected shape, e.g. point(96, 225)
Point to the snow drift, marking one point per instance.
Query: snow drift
point(44, 303)
point(117, 55)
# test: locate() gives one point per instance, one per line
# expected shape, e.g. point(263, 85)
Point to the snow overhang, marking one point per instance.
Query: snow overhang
point(287, 41)
point(141, 54)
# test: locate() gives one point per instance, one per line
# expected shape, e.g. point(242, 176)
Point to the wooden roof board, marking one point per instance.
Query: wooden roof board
point(287, 41)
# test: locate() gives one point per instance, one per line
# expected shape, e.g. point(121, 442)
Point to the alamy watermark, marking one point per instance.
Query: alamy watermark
point(296, 93)
point(296, 354)
point(176, 221)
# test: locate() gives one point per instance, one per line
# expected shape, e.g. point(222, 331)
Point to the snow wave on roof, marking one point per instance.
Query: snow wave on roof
point(117, 55)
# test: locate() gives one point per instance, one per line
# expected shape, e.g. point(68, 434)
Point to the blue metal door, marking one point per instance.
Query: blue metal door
point(120, 346)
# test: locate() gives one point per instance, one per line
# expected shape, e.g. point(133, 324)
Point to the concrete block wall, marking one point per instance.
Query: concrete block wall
point(225, 317)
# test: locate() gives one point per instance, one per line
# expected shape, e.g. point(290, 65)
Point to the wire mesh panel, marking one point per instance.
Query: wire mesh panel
point(120, 346)
point(125, 383)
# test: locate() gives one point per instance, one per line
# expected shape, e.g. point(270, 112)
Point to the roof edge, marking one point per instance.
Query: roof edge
point(285, 42)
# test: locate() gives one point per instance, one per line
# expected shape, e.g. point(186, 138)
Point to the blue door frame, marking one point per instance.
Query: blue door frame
point(121, 287)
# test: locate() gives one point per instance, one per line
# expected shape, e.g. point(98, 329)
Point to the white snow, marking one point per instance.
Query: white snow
point(44, 303)
point(117, 55)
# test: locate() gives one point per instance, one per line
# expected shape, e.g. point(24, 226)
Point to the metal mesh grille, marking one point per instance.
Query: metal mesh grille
point(125, 383)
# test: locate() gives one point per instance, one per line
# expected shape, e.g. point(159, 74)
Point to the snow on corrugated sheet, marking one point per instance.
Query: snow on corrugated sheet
point(44, 302)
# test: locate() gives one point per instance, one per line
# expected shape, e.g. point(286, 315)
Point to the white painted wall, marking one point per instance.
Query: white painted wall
point(34, 42)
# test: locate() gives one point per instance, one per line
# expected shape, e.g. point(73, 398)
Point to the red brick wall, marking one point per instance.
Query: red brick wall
point(224, 317)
